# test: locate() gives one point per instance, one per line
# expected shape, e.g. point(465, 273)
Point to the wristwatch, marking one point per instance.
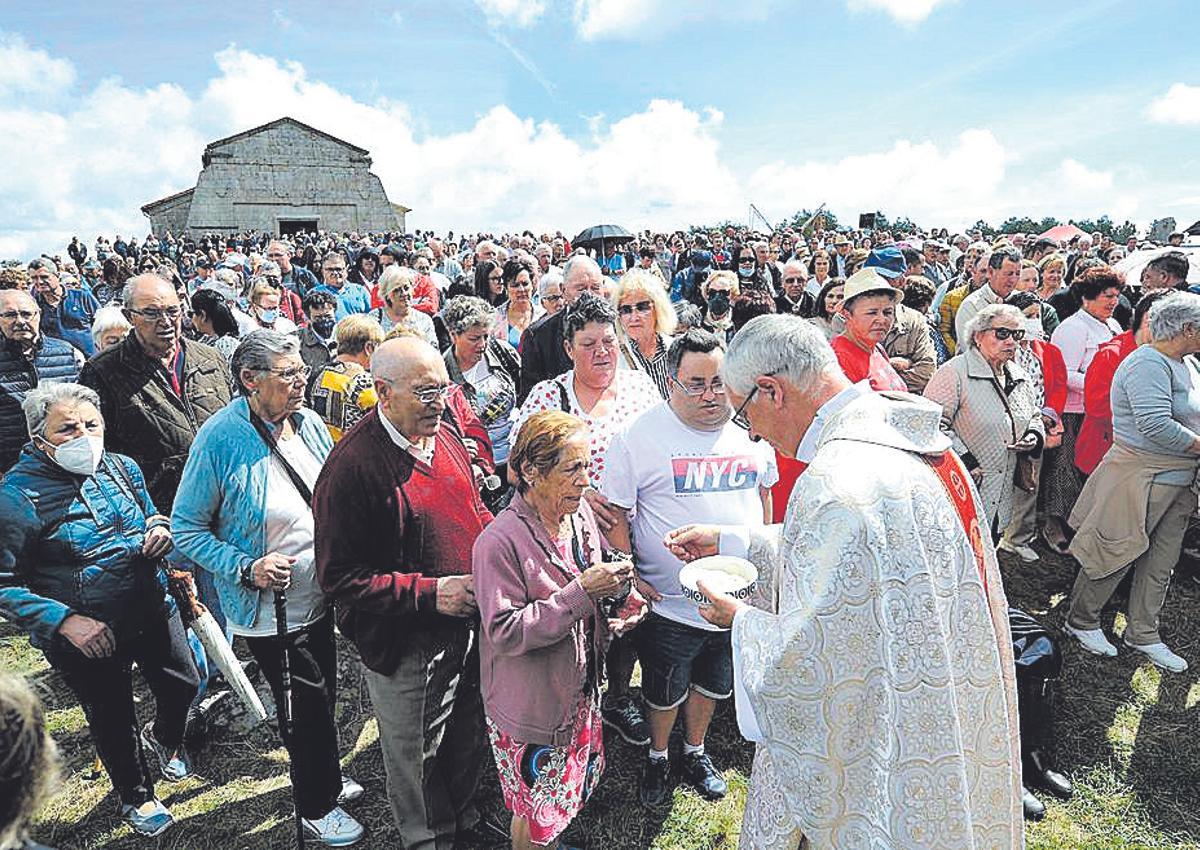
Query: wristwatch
point(247, 577)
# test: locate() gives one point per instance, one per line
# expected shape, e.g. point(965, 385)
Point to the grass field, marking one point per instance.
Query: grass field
point(1129, 737)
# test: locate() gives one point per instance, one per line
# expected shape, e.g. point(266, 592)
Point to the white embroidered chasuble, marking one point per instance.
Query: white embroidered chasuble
point(874, 672)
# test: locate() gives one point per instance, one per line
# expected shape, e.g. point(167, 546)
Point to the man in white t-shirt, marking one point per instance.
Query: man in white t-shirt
point(683, 461)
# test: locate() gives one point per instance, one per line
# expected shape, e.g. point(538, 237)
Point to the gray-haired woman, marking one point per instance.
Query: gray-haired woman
point(488, 369)
point(243, 512)
point(989, 409)
point(81, 545)
point(1134, 508)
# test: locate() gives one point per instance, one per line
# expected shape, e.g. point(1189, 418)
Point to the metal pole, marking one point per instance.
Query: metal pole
point(285, 710)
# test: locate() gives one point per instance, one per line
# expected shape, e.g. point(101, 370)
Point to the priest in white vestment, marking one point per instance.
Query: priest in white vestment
point(875, 668)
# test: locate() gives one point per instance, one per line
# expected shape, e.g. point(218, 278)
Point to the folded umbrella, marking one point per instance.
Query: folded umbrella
point(204, 626)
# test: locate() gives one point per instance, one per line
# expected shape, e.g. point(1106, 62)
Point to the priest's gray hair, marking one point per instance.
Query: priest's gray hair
point(41, 398)
point(786, 346)
point(1175, 315)
point(259, 351)
point(985, 319)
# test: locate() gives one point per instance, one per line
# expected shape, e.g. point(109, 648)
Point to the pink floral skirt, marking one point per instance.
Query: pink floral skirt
point(545, 785)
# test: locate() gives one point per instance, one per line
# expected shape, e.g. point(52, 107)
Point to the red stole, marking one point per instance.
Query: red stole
point(954, 478)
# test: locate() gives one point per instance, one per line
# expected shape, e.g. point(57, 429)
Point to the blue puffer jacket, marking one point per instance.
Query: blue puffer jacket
point(51, 360)
point(71, 544)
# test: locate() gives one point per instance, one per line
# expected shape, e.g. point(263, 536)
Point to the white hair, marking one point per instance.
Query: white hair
point(786, 346)
point(552, 276)
point(108, 318)
point(578, 261)
point(986, 318)
point(41, 398)
point(1174, 315)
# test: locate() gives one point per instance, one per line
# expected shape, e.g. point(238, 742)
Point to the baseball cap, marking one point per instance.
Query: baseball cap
point(701, 258)
point(888, 261)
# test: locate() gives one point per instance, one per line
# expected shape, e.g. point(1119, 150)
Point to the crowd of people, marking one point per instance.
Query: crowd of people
point(485, 460)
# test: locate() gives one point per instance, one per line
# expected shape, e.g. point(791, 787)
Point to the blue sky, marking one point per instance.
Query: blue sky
point(498, 114)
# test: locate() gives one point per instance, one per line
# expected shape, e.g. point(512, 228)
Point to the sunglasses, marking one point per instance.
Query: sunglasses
point(1004, 333)
point(641, 307)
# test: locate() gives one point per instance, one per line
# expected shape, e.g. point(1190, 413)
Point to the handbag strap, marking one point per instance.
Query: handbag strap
point(292, 474)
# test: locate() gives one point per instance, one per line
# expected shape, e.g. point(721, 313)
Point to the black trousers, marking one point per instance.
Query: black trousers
point(313, 747)
point(104, 687)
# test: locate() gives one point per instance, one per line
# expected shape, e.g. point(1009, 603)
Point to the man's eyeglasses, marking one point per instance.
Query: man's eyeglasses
point(23, 315)
point(428, 395)
point(740, 417)
point(1004, 333)
point(153, 314)
point(338, 270)
point(793, 280)
point(290, 374)
point(641, 306)
point(697, 389)
point(551, 299)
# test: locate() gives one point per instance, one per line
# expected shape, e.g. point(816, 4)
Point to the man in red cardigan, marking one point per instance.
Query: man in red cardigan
point(397, 512)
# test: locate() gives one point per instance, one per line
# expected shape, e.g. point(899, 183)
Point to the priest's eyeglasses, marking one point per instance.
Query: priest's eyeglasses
point(740, 417)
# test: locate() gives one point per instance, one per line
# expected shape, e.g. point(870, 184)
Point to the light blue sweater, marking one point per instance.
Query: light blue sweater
point(1156, 407)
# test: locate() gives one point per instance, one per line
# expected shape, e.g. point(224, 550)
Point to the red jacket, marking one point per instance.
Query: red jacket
point(1054, 374)
point(1095, 435)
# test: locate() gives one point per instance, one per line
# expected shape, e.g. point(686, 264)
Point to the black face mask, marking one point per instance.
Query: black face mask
point(323, 327)
point(718, 303)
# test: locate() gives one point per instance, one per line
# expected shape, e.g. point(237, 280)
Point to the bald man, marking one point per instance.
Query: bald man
point(156, 388)
point(27, 358)
point(397, 512)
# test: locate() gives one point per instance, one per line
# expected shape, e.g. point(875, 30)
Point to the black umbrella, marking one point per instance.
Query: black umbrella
point(597, 235)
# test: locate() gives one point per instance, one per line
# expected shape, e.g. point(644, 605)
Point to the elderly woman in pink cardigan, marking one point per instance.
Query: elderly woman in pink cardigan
point(549, 603)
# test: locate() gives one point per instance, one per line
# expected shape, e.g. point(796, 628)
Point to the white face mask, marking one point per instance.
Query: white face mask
point(1033, 328)
point(80, 455)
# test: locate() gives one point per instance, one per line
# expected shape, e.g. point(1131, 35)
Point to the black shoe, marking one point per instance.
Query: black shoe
point(1044, 776)
point(626, 718)
point(1034, 810)
point(656, 782)
point(196, 728)
point(698, 771)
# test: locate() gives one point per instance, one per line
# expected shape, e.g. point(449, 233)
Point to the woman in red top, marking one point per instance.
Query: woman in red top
point(869, 308)
point(1095, 435)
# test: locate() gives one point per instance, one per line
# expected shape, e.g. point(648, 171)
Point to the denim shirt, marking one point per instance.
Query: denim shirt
point(219, 518)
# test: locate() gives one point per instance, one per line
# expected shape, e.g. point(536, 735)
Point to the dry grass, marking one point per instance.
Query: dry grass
point(1127, 736)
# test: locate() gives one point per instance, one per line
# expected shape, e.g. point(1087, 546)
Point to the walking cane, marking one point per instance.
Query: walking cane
point(285, 709)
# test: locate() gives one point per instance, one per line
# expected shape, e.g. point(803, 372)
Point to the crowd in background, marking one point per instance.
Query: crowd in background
point(448, 447)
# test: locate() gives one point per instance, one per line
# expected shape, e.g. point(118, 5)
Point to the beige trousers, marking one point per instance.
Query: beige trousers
point(1167, 516)
point(432, 735)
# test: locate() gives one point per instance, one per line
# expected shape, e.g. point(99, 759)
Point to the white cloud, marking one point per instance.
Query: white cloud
point(521, 13)
point(1180, 105)
point(87, 165)
point(638, 19)
point(904, 11)
point(24, 70)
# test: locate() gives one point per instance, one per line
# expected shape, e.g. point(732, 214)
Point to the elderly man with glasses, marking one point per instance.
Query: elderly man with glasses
point(351, 297)
point(397, 513)
point(880, 544)
point(27, 358)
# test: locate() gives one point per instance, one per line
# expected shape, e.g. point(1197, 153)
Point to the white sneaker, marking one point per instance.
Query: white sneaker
point(1093, 640)
point(1161, 655)
point(1026, 553)
point(336, 829)
point(351, 791)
